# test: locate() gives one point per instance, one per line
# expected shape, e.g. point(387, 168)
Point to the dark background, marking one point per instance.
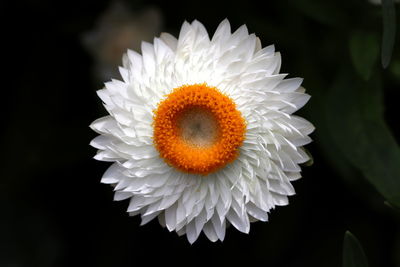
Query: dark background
point(55, 212)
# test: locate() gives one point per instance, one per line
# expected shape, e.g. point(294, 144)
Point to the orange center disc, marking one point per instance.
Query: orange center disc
point(197, 129)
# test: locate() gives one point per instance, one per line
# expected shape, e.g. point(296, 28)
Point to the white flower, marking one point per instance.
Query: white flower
point(202, 132)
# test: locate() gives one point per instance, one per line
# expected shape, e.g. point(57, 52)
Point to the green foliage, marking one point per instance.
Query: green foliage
point(395, 68)
point(353, 253)
point(359, 131)
point(389, 31)
point(364, 50)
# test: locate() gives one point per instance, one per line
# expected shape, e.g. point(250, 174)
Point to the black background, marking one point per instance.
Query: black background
point(55, 212)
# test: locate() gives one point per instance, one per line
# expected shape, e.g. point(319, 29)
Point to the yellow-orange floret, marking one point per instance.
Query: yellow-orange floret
point(227, 134)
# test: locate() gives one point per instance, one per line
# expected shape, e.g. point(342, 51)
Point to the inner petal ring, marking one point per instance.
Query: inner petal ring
point(197, 129)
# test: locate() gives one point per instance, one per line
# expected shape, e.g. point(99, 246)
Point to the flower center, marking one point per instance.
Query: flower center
point(197, 129)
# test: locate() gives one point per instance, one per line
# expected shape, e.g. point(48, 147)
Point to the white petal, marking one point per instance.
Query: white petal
point(148, 58)
point(241, 222)
point(219, 227)
point(121, 195)
point(112, 174)
point(170, 40)
point(170, 217)
point(256, 212)
point(148, 218)
point(210, 232)
point(191, 232)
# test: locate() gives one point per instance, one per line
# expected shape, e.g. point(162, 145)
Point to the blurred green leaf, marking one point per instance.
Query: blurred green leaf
point(393, 206)
point(364, 50)
point(354, 111)
point(395, 68)
point(353, 253)
point(389, 31)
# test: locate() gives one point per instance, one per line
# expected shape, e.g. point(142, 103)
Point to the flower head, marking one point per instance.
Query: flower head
point(201, 131)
